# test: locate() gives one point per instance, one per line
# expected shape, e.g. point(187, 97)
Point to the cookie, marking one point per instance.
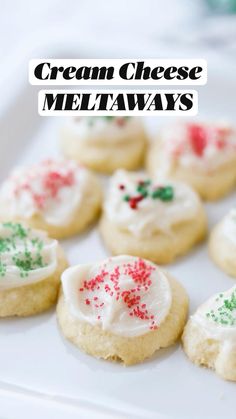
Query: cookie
point(222, 244)
point(105, 143)
point(122, 309)
point(153, 220)
point(30, 268)
point(58, 196)
point(203, 155)
point(209, 338)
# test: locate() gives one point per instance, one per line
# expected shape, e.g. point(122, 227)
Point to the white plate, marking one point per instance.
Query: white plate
point(41, 373)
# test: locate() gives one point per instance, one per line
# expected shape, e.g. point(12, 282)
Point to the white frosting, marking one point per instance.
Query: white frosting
point(104, 302)
point(176, 148)
point(25, 259)
point(52, 189)
point(151, 215)
point(214, 329)
point(229, 226)
point(97, 130)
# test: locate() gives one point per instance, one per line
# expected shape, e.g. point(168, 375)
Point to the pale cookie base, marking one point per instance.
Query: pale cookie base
point(209, 352)
point(108, 157)
point(33, 298)
point(160, 248)
point(82, 218)
point(222, 251)
point(210, 187)
point(101, 344)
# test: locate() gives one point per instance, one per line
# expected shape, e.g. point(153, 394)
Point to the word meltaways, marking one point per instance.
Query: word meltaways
point(121, 103)
point(118, 73)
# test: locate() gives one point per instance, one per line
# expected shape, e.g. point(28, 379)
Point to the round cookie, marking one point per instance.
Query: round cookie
point(30, 268)
point(58, 196)
point(209, 338)
point(202, 155)
point(222, 243)
point(155, 221)
point(122, 309)
point(105, 143)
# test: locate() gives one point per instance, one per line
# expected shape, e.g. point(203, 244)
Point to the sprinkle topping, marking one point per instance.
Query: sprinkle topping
point(144, 207)
point(145, 189)
point(199, 141)
point(225, 312)
point(52, 189)
point(128, 286)
point(25, 253)
point(199, 137)
point(45, 182)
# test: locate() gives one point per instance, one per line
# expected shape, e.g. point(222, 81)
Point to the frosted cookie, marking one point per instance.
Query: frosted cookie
point(30, 268)
point(222, 243)
point(157, 221)
point(58, 196)
point(122, 309)
point(105, 143)
point(202, 155)
point(209, 337)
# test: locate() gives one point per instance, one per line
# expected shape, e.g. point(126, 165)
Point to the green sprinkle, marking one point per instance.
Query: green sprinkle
point(225, 314)
point(126, 198)
point(144, 194)
point(17, 229)
point(167, 194)
point(157, 193)
point(24, 260)
point(141, 188)
point(144, 189)
point(164, 193)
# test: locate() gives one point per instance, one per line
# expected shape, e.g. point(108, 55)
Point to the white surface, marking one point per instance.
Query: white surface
point(42, 374)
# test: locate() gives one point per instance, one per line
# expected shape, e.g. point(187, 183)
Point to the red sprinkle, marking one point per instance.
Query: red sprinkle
point(54, 181)
point(139, 271)
point(133, 202)
point(51, 180)
point(198, 138)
